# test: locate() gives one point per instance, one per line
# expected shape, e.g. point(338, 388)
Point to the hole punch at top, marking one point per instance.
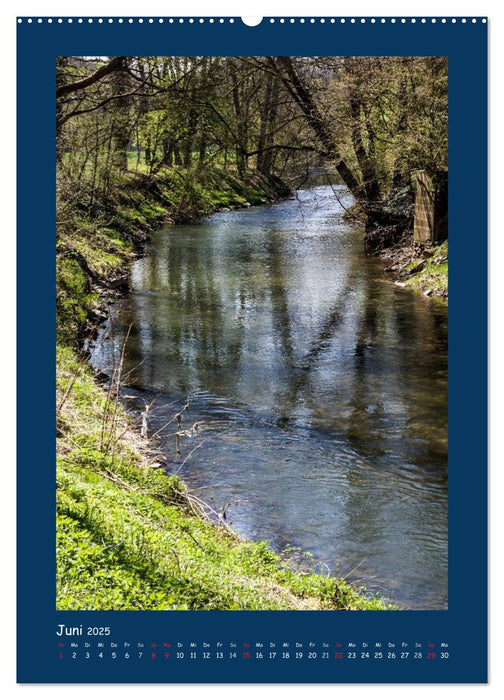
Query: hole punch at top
point(251, 21)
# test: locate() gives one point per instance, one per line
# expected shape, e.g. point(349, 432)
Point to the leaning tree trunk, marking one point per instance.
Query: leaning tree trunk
point(364, 185)
point(302, 96)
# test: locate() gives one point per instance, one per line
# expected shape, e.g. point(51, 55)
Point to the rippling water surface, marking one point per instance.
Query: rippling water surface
point(321, 389)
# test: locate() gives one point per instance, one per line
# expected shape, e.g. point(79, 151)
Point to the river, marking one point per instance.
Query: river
point(320, 388)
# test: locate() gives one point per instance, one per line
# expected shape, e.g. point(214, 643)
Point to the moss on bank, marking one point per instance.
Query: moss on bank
point(420, 268)
point(128, 537)
point(430, 274)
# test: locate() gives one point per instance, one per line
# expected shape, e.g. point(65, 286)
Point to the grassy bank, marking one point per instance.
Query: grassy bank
point(128, 537)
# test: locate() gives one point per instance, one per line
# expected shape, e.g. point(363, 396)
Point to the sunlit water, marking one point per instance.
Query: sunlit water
point(321, 389)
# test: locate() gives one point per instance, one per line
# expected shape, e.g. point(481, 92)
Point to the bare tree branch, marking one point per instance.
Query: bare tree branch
point(118, 63)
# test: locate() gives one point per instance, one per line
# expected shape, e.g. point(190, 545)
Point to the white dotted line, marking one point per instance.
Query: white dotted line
point(231, 20)
point(364, 20)
point(373, 20)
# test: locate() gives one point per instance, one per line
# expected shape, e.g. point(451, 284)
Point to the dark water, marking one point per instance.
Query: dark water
point(321, 389)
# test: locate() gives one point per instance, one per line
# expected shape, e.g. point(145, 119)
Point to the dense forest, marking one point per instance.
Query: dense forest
point(142, 141)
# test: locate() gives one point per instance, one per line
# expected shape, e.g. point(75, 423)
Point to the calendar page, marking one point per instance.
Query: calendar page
point(251, 251)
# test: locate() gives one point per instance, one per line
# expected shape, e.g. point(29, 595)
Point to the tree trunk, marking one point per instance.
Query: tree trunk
point(292, 81)
point(241, 123)
point(122, 125)
point(268, 121)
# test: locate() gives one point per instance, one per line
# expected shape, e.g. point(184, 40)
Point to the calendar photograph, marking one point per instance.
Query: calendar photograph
point(252, 325)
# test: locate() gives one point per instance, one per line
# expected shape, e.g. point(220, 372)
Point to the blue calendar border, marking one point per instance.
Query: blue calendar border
point(464, 624)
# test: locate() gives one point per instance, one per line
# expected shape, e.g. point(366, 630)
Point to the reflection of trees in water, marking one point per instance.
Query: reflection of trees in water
point(395, 388)
point(297, 368)
point(423, 325)
point(291, 388)
point(193, 324)
point(279, 295)
point(328, 328)
point(398, 395)
point(365, 396)
point(182, 312)
point(356, 373)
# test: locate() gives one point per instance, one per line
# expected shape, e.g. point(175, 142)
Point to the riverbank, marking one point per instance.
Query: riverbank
point(424, 269)
point(128, 536)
